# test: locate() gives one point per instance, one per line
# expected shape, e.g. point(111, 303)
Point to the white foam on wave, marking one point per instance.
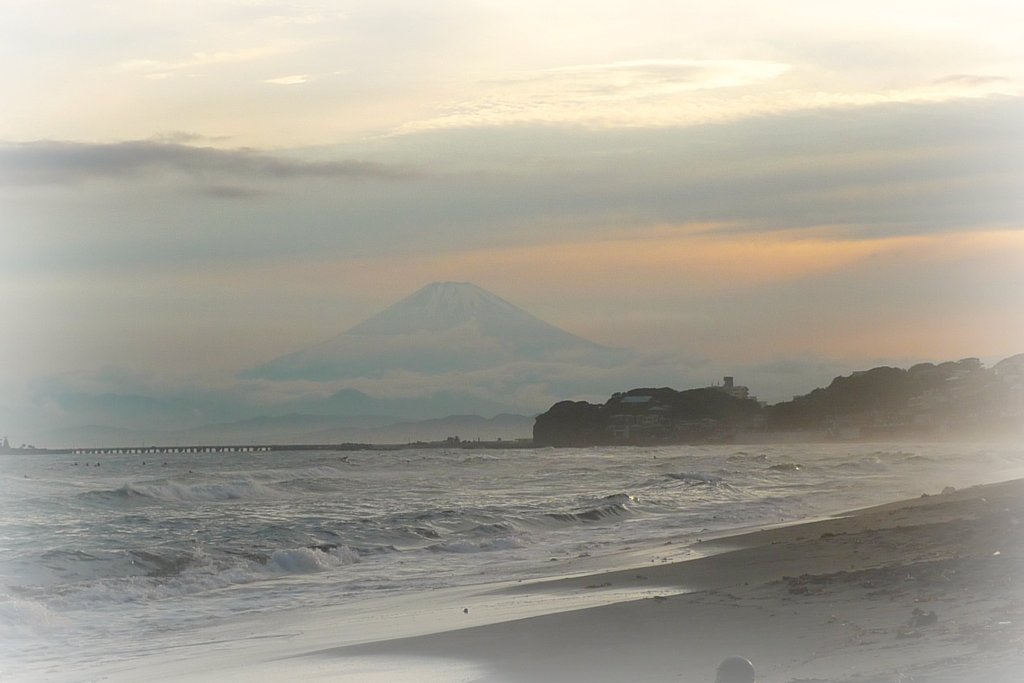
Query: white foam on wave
point(309, 560)
point(206, 573)
point(697, 478)
point(324, 471)
point(300, 473)
point(467, 545)
point(21, 618)
point(173, 491)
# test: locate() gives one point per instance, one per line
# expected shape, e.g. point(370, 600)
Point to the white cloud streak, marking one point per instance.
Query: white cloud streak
point(677, 92)
point(297, 79)
point(198, 60)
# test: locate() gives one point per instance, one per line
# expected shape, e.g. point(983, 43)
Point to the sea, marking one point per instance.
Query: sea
point(171, 564)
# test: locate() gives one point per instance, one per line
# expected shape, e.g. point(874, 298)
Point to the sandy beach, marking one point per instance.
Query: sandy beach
point(927, 589)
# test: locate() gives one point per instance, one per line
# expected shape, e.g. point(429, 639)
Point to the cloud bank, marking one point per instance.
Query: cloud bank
point(62, 162)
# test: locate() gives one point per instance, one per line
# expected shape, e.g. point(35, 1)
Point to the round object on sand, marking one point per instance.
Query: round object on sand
point(735, 670)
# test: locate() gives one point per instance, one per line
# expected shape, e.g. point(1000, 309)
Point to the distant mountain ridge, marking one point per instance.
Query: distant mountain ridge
point(443, 327)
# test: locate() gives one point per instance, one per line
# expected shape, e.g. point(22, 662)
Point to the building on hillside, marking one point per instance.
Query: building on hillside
point(642, 419)
point(730, 387)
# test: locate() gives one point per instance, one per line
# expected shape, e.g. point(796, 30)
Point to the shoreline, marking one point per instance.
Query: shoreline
point(924, 589)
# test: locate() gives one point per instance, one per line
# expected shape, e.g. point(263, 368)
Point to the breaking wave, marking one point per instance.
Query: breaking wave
point(609, 507)
point(697, 478)
point(174, 491)
point(160, 573)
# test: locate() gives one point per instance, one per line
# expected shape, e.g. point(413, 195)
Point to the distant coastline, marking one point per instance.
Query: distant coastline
point(949, 401)
point(267, 448)
point(956, 400)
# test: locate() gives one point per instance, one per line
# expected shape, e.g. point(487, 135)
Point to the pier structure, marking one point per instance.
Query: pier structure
point(167, 450)
point(263, 448)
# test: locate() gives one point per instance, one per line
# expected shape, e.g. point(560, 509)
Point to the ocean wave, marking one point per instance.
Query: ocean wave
point(303, 485)
point(697, 478)
point(67, 566)
point(310, 560)
point(786, 467)
point(745, 457)
point(24, 618)
point(310, 479)
point(595, 514)
point(875, 461)
point(478, 545)
point(56, 566)
point(323, 471)
point(174, 491)
point(868, 463)
point(615, 505)
point(422, 531)
point(158, 564)
point(173, 573)
point(892, 454)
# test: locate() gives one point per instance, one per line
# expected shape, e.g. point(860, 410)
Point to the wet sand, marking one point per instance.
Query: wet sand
point(928, 589)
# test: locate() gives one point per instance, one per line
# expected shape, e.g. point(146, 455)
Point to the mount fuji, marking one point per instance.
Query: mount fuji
point(445, 327)
point(453, 354)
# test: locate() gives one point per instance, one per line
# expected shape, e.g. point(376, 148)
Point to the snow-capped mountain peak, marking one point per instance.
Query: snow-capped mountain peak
point(441, 305)
point(443, 327)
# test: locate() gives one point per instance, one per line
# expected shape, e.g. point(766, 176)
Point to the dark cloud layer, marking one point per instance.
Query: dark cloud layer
point(863, 173)
point(60, 162)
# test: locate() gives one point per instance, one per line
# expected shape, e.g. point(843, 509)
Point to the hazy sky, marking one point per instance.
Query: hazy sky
point(189, 188)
